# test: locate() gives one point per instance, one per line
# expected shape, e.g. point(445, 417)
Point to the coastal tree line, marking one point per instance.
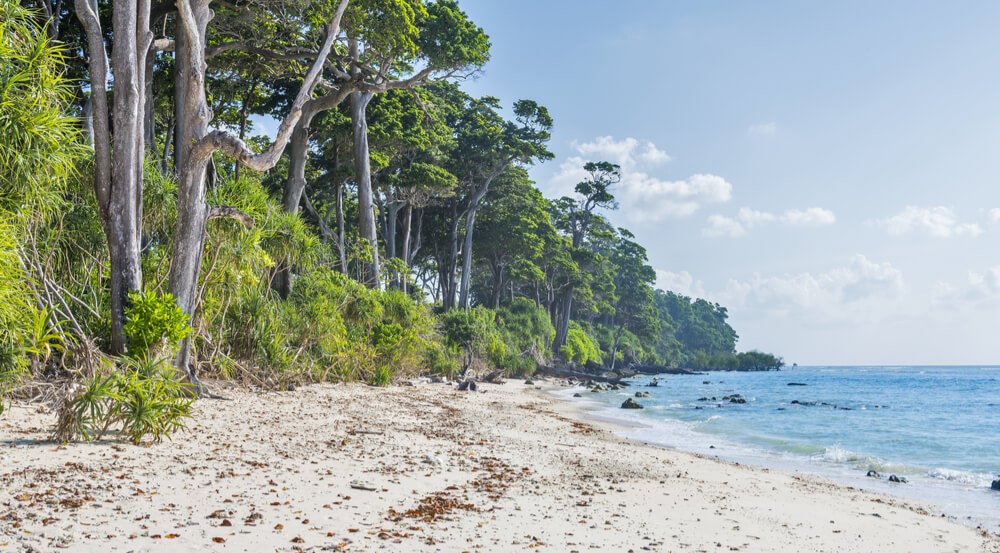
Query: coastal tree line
point(389, 224)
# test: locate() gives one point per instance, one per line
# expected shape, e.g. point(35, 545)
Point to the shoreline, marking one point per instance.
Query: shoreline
point(958, 499)
point(426, 468)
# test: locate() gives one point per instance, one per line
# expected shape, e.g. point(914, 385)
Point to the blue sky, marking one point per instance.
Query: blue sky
point(828, 171)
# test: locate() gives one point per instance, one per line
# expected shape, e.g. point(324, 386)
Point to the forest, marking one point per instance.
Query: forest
point(152, 234)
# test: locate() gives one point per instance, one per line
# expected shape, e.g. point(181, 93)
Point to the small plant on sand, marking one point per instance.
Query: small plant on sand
point(142, 398)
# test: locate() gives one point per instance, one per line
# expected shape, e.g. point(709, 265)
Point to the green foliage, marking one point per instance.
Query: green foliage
point(154, 318)
point(143, 398)
point(580, 347)
point(38, 138)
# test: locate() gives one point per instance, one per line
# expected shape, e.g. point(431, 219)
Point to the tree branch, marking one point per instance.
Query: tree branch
point(230, 212)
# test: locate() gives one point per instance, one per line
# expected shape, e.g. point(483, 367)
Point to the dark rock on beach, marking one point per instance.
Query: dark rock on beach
point(873, 474)
point(631, 404)
point(577, 395)
point(897, 479)
point(995, 485)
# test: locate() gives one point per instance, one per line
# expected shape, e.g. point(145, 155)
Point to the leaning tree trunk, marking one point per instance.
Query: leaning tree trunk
point(363, 176)
point(196, 146)
point(470, 223)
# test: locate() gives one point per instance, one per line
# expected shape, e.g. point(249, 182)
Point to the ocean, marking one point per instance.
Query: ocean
point(937, 427)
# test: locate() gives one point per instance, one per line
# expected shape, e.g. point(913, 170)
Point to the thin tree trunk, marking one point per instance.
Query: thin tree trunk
point(363, 175)
point(407, 224)
point(341, 244)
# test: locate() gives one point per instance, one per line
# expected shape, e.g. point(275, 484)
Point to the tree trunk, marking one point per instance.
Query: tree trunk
point(363, 176)
point(449, 283)
point(562, 324)
point(118, 158)
point(341, 244)
point(407, 225)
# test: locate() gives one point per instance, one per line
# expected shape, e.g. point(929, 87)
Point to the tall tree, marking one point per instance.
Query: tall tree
point(576, 216)
point(485, 146)
point(118, 155)
point(193, 212)
point(391, 45)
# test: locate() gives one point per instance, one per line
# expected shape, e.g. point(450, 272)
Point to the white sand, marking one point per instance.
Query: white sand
point(510, 470)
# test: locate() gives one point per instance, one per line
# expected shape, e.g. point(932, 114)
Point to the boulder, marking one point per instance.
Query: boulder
point(529, 382)
point(577, 395)
point(873, 474)
point(995, 486)
point(737, 400)
point(897, 479)
point(631, 404)
point(641, 394)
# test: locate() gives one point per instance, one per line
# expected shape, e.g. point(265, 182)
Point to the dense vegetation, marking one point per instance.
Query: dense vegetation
point(390, 227)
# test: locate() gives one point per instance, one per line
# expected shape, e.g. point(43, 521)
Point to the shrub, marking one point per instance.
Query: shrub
point(143, 398)
point(153, 318)
point(580, 347)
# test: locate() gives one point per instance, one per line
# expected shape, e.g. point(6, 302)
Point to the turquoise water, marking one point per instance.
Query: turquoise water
point(937, 426)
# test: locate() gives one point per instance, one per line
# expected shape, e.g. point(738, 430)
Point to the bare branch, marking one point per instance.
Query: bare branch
point(230, 212)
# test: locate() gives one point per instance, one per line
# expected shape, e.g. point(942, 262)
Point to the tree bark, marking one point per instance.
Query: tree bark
point(118, 175)
point(363, 176)
point(470, 224)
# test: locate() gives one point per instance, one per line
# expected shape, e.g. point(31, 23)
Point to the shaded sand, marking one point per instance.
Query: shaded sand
point(431, 470)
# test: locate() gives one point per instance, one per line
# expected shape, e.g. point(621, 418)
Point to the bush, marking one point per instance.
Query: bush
point(143, 398)
point(580, 347)
point(153, 319)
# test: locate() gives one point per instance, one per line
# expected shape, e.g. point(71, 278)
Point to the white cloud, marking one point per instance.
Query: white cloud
point(642, 195)
point(994, 216)
point(939, 222)
point(980, 290)
point(763, 129)
point(746, 219)
point(719, 225)
point(862, 291)
point(812, 217)
point(680, 283)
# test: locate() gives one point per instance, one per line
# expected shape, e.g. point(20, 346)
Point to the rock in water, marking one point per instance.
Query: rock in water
point(737, 400)
point(873, 474)
point(577, 395)
point(897, 479)
point(631, 404)
point(995, 486)
point(641, 394)
point(797, 384)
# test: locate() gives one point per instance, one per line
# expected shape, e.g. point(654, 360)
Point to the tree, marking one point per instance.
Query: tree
point(197, 145)
point(118, 157)
point(576, 216)
point(634, 309)
point(514, 224)
point(485, 146)
point(386, 40)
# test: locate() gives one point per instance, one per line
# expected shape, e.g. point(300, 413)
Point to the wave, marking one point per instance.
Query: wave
point(962, 477)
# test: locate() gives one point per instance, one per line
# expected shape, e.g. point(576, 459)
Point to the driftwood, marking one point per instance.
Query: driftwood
point(568, 373)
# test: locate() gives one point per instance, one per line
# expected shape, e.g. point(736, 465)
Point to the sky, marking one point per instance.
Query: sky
point(828, 171)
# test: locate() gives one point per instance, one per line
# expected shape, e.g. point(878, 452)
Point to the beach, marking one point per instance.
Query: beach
point(426, 468)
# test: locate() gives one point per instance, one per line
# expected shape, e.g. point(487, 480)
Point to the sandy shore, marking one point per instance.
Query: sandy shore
point(425, 468)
